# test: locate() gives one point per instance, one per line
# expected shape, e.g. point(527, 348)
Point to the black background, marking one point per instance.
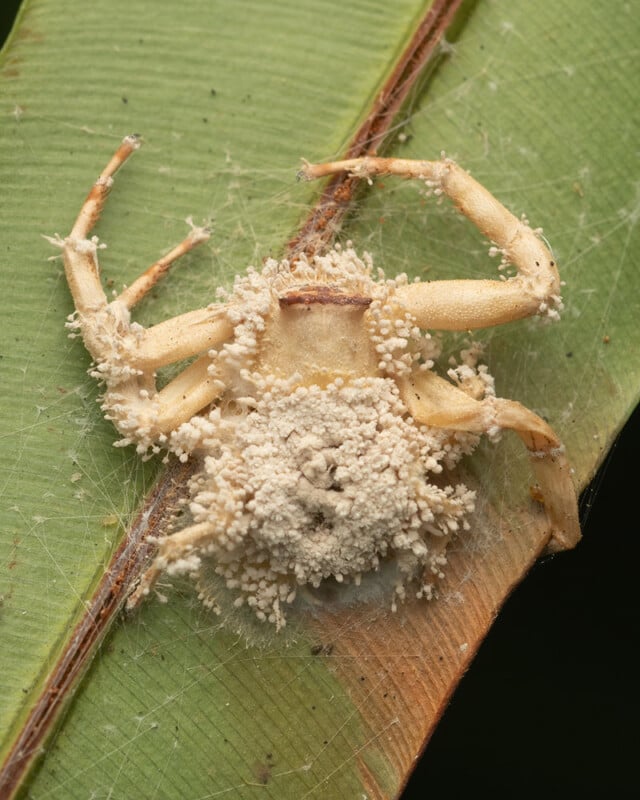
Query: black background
point(549, 706)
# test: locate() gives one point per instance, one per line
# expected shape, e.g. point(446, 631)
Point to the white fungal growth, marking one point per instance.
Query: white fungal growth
point(300, 483)
point(311, 400)
point(316, 484)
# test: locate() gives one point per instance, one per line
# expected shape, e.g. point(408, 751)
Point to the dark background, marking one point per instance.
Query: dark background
point(549, 707)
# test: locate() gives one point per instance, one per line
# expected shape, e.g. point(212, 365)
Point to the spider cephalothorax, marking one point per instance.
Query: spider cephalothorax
point(312, 401)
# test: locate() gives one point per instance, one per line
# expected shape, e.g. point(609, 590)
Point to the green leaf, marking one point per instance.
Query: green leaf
point(228, 97)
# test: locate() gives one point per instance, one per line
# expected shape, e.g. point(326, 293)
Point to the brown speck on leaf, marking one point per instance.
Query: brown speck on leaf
point(262, 773)
point(322, 649)
point(536, 495)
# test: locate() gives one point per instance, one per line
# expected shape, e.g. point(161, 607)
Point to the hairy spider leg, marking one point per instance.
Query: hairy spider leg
point(468, 304)
point(432, 400)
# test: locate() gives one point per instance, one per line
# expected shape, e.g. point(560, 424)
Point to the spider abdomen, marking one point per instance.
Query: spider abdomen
point(319, 483)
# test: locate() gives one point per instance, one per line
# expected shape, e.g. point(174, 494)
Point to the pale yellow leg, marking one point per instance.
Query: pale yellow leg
point(127, 355)
point(163, 344)
point(432, 400)
point(83, 273)
point(183, 336)
point(187, 394)
point(467, 304)
point(137, 290)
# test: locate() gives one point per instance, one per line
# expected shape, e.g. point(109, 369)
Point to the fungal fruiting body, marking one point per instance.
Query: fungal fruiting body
point(323, 430)
point(320, 472)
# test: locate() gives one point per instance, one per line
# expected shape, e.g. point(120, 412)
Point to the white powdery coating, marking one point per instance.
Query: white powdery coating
point(320, 483)
point(129, 397)
point(300, 483)
point(394, 334)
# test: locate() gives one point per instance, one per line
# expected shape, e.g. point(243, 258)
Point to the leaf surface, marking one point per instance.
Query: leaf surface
point(228, 97)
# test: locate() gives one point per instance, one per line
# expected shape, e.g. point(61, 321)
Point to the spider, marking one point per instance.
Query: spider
point(325, 433)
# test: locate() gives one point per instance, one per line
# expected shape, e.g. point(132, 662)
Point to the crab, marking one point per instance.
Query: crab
point(324, 433)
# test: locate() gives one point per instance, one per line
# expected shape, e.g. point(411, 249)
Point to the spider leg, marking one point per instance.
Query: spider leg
point(177, 554)
point(95, 200)
point(137, 290)
point(163, 344)
point(145, 416)
point(432, 400)
point(182, 336)
point(466, 304)
point(126, 354)
point(79, 252)
point(83, 274)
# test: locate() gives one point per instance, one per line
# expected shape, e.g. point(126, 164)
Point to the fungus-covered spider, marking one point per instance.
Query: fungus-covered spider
point(324, 432)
